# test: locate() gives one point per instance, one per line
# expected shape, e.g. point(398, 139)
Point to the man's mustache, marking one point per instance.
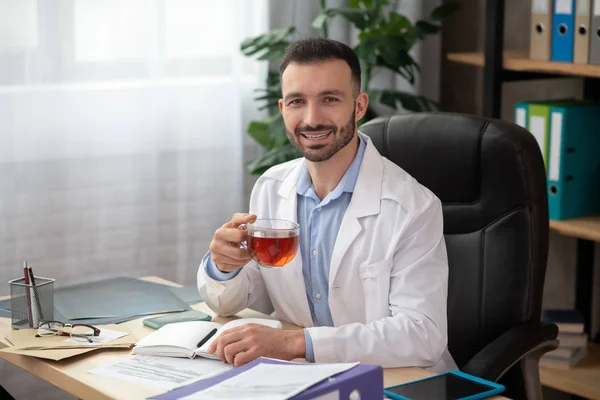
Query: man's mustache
point(317, 128)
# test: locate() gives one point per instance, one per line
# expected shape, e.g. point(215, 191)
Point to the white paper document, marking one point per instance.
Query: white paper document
point(106, 335)
point(270, 381)
point(163, 372)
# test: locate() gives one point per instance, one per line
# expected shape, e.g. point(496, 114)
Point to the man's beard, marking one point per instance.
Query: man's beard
point(341, 140)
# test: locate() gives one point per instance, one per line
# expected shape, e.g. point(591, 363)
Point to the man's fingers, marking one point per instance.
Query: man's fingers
point(231, 235)
point(226, 338)
point(239, 219)
point(219, 258)
point(231, 350)
point(245, 357)
point(230, 251)
point(213, 346)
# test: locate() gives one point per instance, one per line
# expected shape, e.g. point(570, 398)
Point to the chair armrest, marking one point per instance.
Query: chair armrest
point(532, 339)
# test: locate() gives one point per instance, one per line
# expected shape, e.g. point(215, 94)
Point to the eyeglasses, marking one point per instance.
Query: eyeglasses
point(79, 332)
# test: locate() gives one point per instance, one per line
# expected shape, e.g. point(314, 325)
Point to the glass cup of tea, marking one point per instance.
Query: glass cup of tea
point(272, 242)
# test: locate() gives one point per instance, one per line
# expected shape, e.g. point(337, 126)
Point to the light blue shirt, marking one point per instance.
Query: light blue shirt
point(320, 222)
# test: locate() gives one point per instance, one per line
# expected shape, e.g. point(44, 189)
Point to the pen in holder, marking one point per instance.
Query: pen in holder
point(31, 302)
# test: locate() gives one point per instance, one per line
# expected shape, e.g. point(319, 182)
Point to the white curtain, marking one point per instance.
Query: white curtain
point(122, 125)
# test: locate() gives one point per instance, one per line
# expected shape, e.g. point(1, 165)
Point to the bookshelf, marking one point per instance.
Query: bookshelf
point(518, 60)
point(500, 66)
point(587, 228)
point(581, 380)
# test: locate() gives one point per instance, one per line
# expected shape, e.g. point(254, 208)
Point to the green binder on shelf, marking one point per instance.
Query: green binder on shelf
point(538, 122)
point(535, 117)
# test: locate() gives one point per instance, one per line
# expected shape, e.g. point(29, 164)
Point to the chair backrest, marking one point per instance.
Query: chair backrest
point(490, 176)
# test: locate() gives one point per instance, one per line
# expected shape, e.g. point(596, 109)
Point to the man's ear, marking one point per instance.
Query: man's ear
point(362, 102)
point(280, 102)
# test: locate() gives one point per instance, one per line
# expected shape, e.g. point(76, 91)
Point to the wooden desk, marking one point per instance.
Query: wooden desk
point(71, 374)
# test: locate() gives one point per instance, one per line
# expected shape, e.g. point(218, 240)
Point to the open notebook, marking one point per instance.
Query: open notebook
point(188, 339)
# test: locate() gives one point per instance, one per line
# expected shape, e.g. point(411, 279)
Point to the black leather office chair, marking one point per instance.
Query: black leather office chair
point(490, 177)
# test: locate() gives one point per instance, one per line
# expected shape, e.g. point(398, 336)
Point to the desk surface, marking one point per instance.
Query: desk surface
point(71, 374)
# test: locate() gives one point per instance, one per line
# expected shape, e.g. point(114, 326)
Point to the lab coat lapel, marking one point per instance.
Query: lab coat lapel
point(365, 201)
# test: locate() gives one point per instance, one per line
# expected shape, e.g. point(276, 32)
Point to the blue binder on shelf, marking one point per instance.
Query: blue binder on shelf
point(574, 162)
point(563, 30)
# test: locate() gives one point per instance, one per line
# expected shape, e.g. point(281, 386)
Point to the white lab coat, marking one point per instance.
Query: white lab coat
point(388, 277)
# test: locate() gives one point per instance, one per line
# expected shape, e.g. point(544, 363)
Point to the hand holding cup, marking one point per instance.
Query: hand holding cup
point(225, 248)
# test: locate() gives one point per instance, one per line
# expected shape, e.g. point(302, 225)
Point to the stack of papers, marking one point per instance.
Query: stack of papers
point(25, 342)
point(271, 379)
point(162, 372)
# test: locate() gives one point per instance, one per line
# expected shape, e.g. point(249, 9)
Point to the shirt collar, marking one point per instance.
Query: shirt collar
point(347, 182)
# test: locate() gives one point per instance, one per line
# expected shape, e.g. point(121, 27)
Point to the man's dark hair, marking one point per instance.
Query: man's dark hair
point(318, 49)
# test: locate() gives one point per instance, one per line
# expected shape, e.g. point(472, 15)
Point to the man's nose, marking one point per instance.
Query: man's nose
point(313, 116)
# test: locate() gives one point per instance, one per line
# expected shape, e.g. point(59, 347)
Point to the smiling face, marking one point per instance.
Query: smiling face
point(320, 107)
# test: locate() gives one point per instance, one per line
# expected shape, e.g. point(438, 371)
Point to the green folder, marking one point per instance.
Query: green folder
point(538, 122)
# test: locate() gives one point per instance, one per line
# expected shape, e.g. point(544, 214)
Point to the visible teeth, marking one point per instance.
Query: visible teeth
point(316, 137)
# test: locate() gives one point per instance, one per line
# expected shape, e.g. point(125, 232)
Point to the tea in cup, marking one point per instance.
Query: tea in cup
point(272, 242)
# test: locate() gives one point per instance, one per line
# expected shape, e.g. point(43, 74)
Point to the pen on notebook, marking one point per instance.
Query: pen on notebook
point(210, 334)
point(27, 294)
point(38, 304)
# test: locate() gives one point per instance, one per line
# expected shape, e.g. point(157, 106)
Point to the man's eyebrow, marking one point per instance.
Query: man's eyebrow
point(326, 92)
point(293, 95)
point(336, 92)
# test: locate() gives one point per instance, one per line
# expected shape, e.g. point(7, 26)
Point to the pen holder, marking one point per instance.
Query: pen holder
point(30, 304)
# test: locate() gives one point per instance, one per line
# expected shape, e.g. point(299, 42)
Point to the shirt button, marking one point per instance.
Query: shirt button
point(319, 208)
point(314, 252)
point(318, 295)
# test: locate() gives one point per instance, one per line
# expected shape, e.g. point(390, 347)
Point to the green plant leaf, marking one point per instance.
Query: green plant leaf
point(269, 95)
point(444, 11)
point(320, 21)
point(277, 126)
point(424, 28)
point(359, 18)
point(366, 50)
point(267, 131)
point(397, 24)
point(273, 79)
point(393, 49)
point(273, 157)
point(399, 70)
point(272, 106)
point(378, 4)
point(271, 42)
point(260, 131)
point(276, 52)
point(407, 66)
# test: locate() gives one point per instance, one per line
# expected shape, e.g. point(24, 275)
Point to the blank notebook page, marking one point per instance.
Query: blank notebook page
point(181, 334)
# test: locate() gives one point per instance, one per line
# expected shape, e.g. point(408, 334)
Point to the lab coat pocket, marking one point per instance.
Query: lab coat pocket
point(376, 288)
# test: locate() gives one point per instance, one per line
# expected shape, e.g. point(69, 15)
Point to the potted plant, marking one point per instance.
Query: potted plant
point(385, 40)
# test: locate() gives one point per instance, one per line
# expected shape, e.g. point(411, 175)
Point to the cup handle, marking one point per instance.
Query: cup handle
point(244, 244)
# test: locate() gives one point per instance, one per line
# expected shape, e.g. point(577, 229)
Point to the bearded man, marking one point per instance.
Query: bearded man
point(369, 282)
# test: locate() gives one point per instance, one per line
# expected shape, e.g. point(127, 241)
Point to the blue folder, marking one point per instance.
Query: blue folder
point(563, 30)
point(363, 379)
point(574, 161)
